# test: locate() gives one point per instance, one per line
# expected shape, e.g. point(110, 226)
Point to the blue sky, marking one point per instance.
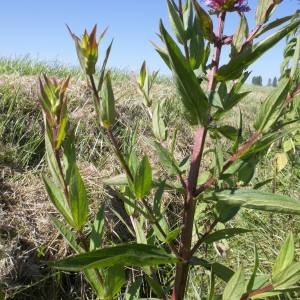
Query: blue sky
point(37, 28)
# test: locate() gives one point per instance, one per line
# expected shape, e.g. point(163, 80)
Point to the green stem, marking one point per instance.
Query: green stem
point(119, 154)
point(110, 134)
point(96, 95)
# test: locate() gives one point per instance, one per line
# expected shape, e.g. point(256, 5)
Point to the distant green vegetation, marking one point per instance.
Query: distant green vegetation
point(28, 66)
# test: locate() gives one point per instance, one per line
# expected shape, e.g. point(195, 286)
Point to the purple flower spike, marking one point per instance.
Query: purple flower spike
point(228, 5)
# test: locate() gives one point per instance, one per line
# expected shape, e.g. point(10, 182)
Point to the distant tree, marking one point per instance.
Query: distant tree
point(269, 82)
point(257, 80)
point(274, 82)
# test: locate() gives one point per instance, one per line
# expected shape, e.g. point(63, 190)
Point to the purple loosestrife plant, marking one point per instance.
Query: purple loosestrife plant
point(228, 5)
point(165, 253)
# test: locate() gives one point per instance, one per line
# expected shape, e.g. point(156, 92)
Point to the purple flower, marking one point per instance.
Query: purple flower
point(228, 5)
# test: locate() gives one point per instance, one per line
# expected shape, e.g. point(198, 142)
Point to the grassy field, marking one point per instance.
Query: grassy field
point(27, 238)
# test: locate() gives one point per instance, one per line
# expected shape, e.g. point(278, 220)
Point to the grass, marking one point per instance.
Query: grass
point(26, 66)
point(27, 237)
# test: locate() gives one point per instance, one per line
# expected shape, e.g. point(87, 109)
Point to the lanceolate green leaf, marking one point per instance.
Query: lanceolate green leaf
point(143, 179)
point(158, 124)
point(107, 104)
point(296, 58)
point(163, 54)
point(193, 97)
point(62, 131)
point(234, 167)
point(268, 139)
point(97, 230)
point(212, 283)
point(114, 278)
point(120, 179)
point(176, 22)
point(67, 234)
point(102, 71)
point(218, 269)
point(264, 10)
point(235, 67)
point(139, 231)
point(247, 170)
point(69, 156)
point(253, 275)
point(164, 225)
point(239, 36)
point(52, 162)
point(255, 199)
point(188, 17)
point(271, 107)
point(260, 280)
point(137, 255)
point(233, 97)
point(288, 277)
point(90, 274)
point(228, 131)
point(197, 53)
point(132, 293)
point(225, 212)
point(142, 75)
point(273, 24)
point(172, 235)
point(78, 199)
point(156, 286)
point(166, 159)
point(205, 21)
point(285, 256)
point(59, 200)
point(235, 288)
point(78, 48)
point(224, 234)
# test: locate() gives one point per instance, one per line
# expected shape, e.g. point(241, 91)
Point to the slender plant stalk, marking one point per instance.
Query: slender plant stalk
point(118, 152)
point(185, 251)
point(126, 168)
point(96, 95)
point(110, 134)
